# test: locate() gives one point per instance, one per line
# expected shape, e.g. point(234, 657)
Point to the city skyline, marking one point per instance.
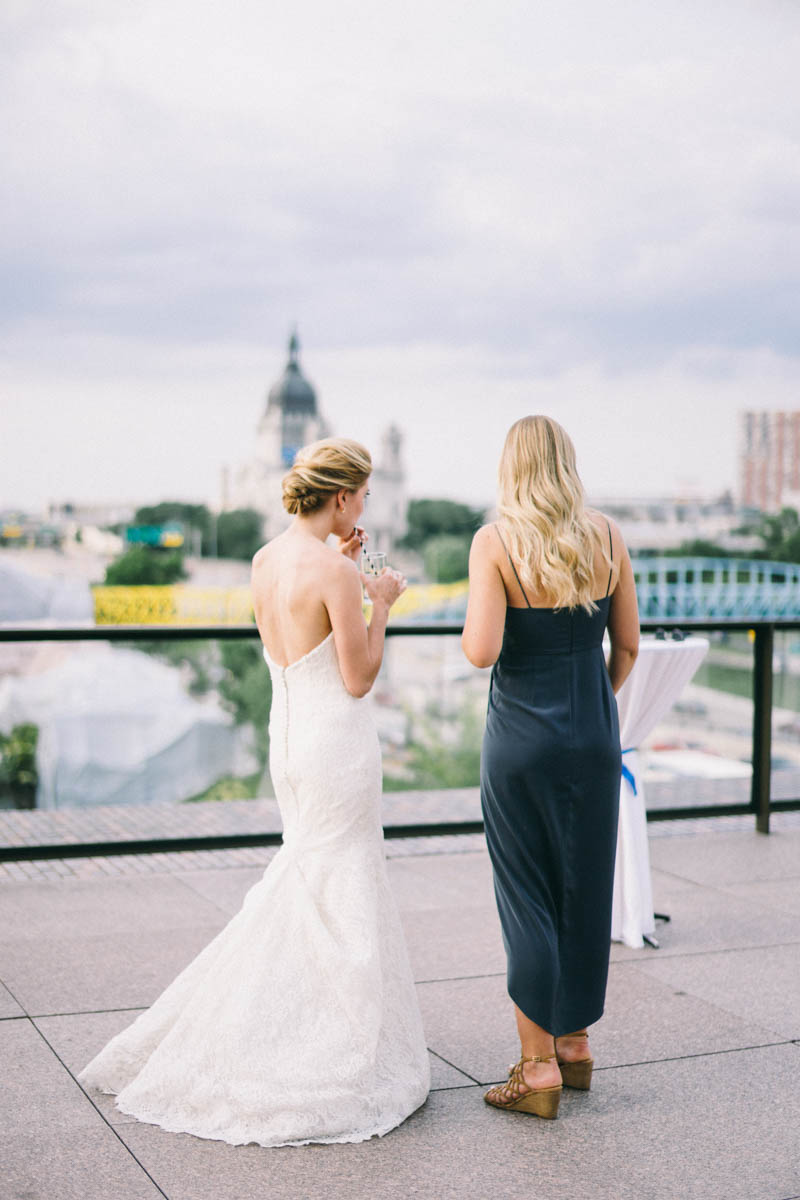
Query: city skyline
point(98, 479)
point(587, 210)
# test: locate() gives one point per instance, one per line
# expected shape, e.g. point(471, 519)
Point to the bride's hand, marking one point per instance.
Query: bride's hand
point(352, 545)
point(386, 587)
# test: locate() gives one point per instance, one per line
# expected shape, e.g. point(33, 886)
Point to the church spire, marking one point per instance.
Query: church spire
point(293, 393)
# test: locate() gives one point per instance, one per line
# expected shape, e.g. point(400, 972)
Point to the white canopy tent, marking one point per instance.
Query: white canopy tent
point(28, 597)
point(117, 727)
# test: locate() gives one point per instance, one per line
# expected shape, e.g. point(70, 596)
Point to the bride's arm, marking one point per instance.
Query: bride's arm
point(359, 647)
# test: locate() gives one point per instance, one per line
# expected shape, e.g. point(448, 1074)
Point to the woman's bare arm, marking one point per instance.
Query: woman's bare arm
point(359, 647)
point(482, 638)
point(623, 617)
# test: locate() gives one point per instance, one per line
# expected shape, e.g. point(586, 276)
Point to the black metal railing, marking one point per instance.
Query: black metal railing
point(760, 806)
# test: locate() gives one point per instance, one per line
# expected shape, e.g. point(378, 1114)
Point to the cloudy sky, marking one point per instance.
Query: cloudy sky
point(473, 211)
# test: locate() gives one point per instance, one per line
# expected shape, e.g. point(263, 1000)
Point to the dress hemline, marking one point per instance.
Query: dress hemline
point(362, 1135)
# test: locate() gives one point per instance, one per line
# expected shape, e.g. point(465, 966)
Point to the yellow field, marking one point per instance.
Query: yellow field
point(175, 604)
point(178, 604)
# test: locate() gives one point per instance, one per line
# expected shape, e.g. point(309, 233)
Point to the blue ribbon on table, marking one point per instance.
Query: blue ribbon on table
point(627, 773)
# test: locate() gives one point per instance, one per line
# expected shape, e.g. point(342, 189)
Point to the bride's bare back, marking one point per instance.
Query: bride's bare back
point(289, 578)
point(304, 588)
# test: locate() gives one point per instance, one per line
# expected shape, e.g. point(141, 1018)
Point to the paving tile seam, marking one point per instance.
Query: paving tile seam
point(683, 878)
point(728, 890)
point(712, 1005)
point(676, 1058)
point(456, 1087)
point(100, 1114)
point(681, 954)
point(654, 1062)
point(16, 1000)
point(460, 978)
point(725, 889)
point(460, 1070)
point(87, 1012)
point(185, 883)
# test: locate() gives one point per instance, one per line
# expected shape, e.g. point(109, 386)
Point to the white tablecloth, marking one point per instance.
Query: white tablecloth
point(659, 675)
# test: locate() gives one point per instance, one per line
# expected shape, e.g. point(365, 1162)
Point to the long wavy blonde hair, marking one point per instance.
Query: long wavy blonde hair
point(542, 514)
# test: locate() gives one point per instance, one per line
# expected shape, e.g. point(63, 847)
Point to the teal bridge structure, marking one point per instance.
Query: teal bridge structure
point(684, 589)
point(709, 589)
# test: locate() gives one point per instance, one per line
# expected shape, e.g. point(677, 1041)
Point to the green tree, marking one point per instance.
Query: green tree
point(191, 516)
point(700, 548)
point(780, 533)
point(444, 750)
point(430, 518)
point(237, 672)
point(18, 775)
point(145, 565)
point(198, 661)
point(446, 558)
point(239, 533)
point(246, 690)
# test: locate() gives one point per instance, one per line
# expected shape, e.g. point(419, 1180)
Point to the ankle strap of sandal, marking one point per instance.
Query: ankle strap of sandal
point(538, 1058)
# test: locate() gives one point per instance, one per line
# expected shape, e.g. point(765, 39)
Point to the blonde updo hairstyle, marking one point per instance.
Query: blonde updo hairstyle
point(542, 515)
point(322, 469)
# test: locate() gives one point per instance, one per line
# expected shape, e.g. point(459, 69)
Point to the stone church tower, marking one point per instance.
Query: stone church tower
point(385, 510)
point(292, 419)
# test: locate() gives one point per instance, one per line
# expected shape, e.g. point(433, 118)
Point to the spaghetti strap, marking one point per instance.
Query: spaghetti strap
point(611, 557)
point(513, 568)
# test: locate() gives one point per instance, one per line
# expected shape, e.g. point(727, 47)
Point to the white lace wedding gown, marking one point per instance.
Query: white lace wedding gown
point(299, 1022)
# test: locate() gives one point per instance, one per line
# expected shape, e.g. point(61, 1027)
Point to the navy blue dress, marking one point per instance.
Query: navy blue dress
point(550, 775)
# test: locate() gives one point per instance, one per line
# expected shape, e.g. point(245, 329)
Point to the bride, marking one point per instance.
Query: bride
point(299, 1021)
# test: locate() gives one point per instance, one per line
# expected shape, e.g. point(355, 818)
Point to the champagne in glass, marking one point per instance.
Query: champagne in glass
point(373, 562)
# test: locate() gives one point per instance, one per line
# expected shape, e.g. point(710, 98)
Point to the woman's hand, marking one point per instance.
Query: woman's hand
point(352, 545)
point(386, 587)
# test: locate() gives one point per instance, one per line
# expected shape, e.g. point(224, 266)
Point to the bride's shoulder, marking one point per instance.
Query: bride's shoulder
point(338, 565)
point(265, 558)
point(260, 556)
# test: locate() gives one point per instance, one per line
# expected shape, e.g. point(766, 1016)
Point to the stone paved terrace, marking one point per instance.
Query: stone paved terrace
point(134, 822)
point(696, 1091)
point(107, 823)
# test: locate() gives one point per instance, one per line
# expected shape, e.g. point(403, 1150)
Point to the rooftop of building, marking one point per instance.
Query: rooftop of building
point(695, 1091)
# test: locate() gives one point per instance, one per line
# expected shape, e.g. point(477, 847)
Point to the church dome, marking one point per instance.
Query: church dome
point(293, 394)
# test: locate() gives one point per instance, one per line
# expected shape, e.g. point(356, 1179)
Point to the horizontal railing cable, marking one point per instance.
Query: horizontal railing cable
point(761, 804)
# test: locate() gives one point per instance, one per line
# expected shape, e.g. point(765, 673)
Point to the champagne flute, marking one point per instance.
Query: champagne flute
point(373, 562)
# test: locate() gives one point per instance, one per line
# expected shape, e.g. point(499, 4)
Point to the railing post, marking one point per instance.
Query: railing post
point(762, 726)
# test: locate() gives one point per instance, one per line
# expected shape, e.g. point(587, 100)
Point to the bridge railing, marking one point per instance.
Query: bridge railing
point(760, 805)
point(717, 589)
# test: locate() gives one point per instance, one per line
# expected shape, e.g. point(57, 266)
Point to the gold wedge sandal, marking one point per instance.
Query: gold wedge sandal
point(542, 1102)
point(576, 1074)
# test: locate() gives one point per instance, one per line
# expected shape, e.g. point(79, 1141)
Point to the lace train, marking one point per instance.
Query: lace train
point(299, 1021)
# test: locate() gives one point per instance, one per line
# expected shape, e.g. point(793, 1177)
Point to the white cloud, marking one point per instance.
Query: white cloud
point(468, 210)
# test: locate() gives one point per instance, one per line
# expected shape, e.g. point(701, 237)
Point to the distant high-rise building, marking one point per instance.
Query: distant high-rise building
point(769, 460)
point(292, 419)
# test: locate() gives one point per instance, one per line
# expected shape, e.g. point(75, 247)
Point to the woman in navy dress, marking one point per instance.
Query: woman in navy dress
point(546, 581)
